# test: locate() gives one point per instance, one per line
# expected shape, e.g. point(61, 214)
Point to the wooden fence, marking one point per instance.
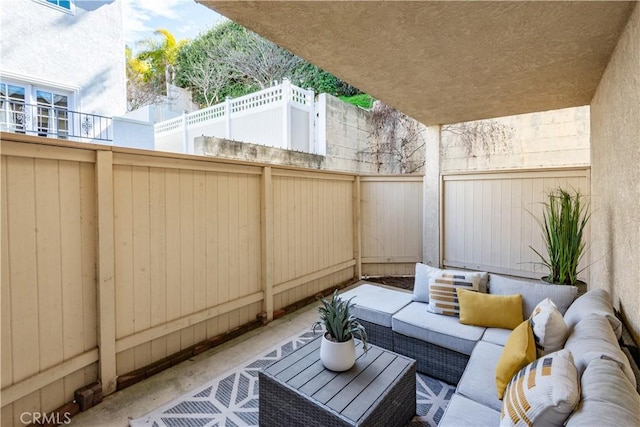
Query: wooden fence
point(490, 219)
point(391, 212)
point(115, 258)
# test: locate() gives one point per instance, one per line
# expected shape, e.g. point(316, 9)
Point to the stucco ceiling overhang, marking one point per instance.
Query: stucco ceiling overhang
point(447, 62)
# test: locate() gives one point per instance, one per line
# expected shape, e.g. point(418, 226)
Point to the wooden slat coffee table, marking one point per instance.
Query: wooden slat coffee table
point(380, 390)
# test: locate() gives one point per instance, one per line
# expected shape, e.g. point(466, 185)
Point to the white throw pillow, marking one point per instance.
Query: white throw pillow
point(443, 298)
point(545, 392)
point(549, 329)
point(421, 283)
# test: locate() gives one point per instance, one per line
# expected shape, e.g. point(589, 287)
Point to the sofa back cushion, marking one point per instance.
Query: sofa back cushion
point(596, 301)
point(593, 338)
point(608, 398)
point(545, 392)
point(533, 292)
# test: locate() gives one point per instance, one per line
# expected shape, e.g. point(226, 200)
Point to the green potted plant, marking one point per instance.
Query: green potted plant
point(337, 349)
point(564, 220)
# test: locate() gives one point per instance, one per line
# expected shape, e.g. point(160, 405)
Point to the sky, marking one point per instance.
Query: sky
point(183, 19)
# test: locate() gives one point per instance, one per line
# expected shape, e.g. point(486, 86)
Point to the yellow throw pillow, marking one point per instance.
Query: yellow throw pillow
point(490, 311)
point(518, 352)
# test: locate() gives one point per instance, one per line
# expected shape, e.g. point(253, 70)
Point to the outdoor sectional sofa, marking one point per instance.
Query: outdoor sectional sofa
point(467, 355)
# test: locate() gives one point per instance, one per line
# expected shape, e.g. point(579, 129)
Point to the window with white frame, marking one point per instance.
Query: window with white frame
point(25, 108)
point(12, 108)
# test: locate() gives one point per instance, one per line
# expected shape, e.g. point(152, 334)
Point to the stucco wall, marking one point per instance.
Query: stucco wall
point(348, 137)
point(82, 52)
point(347, 132)
point(545, 139)
point(615, 177)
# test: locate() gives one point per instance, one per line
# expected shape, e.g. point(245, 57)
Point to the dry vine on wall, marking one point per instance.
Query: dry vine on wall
point(395, 143)
point(483, 137)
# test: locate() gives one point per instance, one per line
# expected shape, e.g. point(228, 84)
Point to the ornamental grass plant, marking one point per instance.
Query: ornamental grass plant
point(338, 321)
point(565, 216)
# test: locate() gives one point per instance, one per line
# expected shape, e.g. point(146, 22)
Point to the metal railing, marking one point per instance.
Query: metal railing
point(54, 122)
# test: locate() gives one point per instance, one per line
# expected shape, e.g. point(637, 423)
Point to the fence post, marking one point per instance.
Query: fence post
point(286, 114)
point(106, 272)
point(313, 148)
point(185, 133)
point(227, 117)
point(357, 227)
point(266, 222)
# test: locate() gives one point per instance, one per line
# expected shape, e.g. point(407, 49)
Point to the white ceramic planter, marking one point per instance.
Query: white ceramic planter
point(337, 356)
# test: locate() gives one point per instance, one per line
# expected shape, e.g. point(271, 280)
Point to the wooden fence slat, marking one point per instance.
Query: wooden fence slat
point(48, 262)
point(23, 276)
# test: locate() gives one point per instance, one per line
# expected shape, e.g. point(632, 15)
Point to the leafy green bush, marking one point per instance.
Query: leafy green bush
point(362, 100)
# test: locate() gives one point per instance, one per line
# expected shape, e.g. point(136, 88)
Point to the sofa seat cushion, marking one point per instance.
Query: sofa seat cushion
point(463, 411)
point(533, 292)
point(608, 398)
point(376, 304)
point(496, 335)
point(445, 331)
point(478, 381)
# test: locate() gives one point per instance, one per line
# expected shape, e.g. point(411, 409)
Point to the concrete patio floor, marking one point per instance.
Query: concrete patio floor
point(135, 401)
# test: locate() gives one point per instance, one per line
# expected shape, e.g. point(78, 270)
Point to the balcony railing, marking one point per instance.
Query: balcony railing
point(54, 122)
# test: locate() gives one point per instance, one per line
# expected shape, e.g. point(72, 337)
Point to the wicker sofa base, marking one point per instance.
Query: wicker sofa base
point(381, 336)
point(432, 360)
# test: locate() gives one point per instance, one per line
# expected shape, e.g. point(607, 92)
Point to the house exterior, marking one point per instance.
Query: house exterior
point(62, 68)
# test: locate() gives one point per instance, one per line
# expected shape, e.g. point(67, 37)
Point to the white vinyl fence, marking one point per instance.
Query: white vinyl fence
point(281, 116)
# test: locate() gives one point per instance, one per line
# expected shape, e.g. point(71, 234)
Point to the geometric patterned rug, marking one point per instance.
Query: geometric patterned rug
point(232, 399)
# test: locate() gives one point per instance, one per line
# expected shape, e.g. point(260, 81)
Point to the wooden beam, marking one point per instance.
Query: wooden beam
point(394, 178)
point(391, 260)
point(266, 226)
point(313, 276)
point(312, 175)
point(106, 272)
point(357, 228)
point(40, 151)
point(42, 379)
point(180, 163)
point(175, 325)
